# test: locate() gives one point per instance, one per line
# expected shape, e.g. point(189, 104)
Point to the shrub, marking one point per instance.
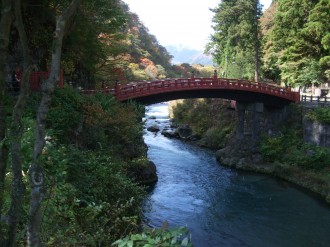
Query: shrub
point(157, 237)
point(204, 114)
point(66, 114)
point(272, 148)
point(216, 137)
point(90, 200)
point(97, 122)
point(290, 149)
point(319, 114)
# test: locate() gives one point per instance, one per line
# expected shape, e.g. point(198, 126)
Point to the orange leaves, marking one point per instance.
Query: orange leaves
point(145, 62)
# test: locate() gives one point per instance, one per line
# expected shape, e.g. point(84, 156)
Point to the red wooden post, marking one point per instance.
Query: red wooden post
point(35, 80)
point(117, 89)
point(60, 83)
point(215, 75)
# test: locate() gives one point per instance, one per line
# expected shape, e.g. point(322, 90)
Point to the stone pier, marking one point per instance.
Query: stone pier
point(255, 118)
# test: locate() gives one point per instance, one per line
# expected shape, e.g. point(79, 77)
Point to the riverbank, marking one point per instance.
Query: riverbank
point(222, 206)
point(245, 155)
point(283, 155)
point(94, 162)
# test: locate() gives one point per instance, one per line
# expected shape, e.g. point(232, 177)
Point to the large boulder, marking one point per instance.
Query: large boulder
point(170, 133)
point(239, 153)
point(145, 174)
point(149, 174)
point(184, 131)
point(153, 128)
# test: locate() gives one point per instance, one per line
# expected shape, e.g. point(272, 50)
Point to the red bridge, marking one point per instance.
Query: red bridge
point(149, 92)
point(170, 89)
point(36, 79)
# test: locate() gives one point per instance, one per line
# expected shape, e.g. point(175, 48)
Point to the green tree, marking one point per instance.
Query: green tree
point(235, 43)
point(298, 41)
point(269, 57)
point(5, 24)
point(318, 29)
point(35, 170)
point(94, 44)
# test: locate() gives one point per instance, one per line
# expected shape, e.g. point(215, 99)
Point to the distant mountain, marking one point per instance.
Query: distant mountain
point(185, 55)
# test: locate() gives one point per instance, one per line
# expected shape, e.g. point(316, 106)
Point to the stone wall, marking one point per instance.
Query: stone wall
point(255, 118)
point(316, 133)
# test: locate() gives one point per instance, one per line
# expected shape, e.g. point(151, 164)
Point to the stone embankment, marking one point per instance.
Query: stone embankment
point(244, 154)
point(316, 133)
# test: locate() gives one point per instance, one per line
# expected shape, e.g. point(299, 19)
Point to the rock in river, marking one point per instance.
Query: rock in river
point(153, 128)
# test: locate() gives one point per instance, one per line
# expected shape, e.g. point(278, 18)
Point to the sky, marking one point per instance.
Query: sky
point(185, 23)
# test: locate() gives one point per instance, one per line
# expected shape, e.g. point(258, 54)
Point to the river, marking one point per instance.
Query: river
point(226, 207)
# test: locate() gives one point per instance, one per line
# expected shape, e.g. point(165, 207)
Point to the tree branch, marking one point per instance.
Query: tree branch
point(36, 172)
point(16, 132)
point(5, 23)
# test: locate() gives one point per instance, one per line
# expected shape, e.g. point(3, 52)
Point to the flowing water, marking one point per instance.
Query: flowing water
point(225, 207)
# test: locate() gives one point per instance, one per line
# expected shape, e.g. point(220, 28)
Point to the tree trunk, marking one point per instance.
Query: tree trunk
point(36, 171)
point(257, 43)
point(257, 69)
point(5, 23)
point(16, 132)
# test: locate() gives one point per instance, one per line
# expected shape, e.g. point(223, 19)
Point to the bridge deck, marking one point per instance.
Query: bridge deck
point(170, 89)
point(143, 89)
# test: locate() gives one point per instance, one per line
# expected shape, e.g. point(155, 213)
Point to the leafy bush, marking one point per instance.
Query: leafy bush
point(216, 137)
point(204, 114)
point(156, 237)
point(290, 149)
point(272, 148)
point(66, 115)
point(316, 158)
point(95, 122)
point(320, 114)
point(90, 200)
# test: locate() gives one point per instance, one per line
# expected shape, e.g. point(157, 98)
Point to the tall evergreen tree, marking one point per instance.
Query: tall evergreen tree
point(295, 43)
point(318, 29)
point(235, 44)
point(269, 57)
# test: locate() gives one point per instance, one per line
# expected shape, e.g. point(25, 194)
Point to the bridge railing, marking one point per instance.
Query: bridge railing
point(37, 77)
point(139, 89)
point(105, 91)
point(311, 100)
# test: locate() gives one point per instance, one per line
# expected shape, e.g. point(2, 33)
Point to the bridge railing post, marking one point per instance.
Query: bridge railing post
point(215, 75)
point(117, 89)
point(192, 78)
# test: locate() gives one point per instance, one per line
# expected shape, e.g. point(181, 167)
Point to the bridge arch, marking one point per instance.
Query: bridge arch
point(258, 98)
point(150, 92)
